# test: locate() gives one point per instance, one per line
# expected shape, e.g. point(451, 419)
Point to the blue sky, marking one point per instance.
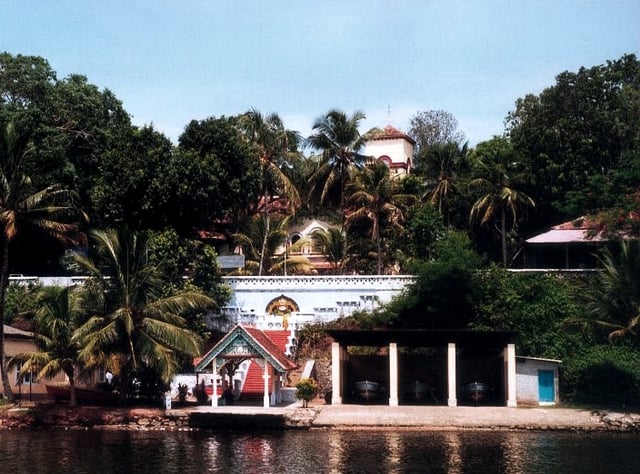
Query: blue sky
point(171, 61)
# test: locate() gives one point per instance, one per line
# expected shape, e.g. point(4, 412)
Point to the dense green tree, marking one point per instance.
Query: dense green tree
point(498, 178)
point(21, 304)
point(81, 125)
point(431, 128)
point(214, 175)
point(336, 136)
point(444, 293)
point(424, 228)
point(25, 81)
point(131, 188)
point(275, 144)
point(181, 257)
point(374, 195)
point(135, 327)
point(573, 135)
point(50, 211)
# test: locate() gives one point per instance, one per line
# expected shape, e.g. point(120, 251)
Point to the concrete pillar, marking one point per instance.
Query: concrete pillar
point(336, 373)
point(510, 366)
point(393, 374)
point(214, 395)
point(265, 376)
point(452, 401)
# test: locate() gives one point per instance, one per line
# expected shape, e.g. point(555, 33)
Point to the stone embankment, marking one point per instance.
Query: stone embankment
point(345, 417)
point(94, 417)
point(147, 419)
point(620, 421)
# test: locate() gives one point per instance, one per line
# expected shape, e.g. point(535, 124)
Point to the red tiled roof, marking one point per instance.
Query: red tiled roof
point(267, 344)
point(279, 337)
point(259, 338)
point(390, 133)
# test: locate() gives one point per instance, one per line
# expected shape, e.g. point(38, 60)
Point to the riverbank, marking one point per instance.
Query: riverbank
point(336, 417)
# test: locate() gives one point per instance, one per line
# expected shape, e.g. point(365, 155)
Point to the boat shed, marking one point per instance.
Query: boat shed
point(447, 367)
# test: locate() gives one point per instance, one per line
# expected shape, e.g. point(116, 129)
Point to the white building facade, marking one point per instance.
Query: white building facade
point(293, 301)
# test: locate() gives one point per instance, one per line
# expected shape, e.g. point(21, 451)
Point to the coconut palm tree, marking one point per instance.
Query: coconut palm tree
point(337, 138)
point(333, 244)
point(276, 238)
point(498, 179)
point(614, 297)
point(374, 194)
point(51, 211)
point(443, 163)
point(276, 146)
point(56, 320)
point(134, 326)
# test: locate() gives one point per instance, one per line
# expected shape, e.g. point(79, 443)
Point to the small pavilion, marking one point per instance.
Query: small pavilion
point(243, 343)
point(445, 361)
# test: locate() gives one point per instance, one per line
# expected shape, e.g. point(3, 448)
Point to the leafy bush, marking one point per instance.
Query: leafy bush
point(306, 390)
point(605, 374)
point(200, 393)
point(537, 307)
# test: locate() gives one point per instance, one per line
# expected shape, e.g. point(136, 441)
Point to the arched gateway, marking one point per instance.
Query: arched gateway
point(244, 343)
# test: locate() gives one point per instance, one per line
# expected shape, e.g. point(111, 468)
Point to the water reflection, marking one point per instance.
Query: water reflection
point(400, 452)
point(452, 452)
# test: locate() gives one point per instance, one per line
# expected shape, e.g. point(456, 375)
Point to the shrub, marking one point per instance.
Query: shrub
point(306, 390)
point(200, 393)
point(183, 390)
point(606, 374)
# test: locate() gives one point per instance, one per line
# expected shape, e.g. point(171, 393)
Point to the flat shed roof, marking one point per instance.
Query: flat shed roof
point(420, 337)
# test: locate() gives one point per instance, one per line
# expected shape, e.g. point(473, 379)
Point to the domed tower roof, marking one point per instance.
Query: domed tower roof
point(390, 133)
point(392, 147)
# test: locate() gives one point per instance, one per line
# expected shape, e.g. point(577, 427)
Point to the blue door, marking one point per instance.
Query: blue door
point(546, 390)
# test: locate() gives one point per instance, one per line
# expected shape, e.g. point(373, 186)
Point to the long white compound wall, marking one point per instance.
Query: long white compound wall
point(319, 298)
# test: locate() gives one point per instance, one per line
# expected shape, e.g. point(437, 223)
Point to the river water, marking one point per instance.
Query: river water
point(95, 452)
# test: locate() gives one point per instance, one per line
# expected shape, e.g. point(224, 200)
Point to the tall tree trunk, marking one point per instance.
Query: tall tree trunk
point(4, 283)
point(503, 235)
point(376, 227)
point(73, 402)
point(265, 237)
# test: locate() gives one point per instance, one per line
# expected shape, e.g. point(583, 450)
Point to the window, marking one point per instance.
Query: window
point(26, 378)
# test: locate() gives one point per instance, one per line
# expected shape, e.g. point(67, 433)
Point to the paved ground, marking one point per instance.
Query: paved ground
point(345, 416)
point(437, 417)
